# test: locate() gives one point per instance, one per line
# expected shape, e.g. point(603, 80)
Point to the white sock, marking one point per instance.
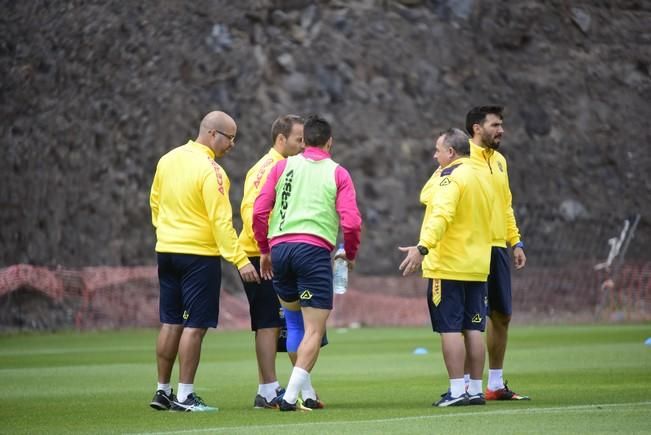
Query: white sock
point(457, 387)
point(474, 387)
point(295, 384)
point(307, 392)
point(495, 381)
point(164, 387)
point(184, 391)
point(466, 379)
point(268, 391)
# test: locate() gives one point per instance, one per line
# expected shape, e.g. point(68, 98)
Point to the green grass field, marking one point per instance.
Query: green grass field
point(583, 379)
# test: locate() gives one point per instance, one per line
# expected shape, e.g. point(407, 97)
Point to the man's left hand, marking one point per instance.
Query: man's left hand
point(519, 259)
point(249, 274)
point(266, 271)
point(412, 261)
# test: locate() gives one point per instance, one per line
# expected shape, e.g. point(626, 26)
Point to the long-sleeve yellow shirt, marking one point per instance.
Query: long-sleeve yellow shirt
point(190, 208)
point(253, 183)
point(457, 224)
point(504, 228)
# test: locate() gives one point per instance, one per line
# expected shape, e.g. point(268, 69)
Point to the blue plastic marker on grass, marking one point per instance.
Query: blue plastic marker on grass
point(648, 342)
point(420, 351)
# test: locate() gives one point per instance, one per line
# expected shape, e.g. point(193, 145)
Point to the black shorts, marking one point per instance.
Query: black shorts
point(303, 272)
point(499, 282)
point(189, 289)
point(264, 306)
point(462, 305)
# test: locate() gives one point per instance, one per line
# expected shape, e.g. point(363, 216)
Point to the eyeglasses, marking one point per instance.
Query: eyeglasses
point(230, 137)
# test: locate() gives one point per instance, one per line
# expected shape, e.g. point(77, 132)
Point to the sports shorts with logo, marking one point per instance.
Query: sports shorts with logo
point(455, 306)
point(303, 272)
point(264, 306)
point(499, 282)
point(189, 289)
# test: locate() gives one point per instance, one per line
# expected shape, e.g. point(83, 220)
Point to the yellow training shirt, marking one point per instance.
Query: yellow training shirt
point(190, 208)
point(253, 183)
point(504, 227)
point(457, 224)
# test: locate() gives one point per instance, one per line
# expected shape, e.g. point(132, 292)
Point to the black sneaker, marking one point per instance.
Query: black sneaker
point(298, 406)
point(314, 403)
point(476, 399)
point(162, 401)
point(448, 400)
point(260, 402)
point(193, 403)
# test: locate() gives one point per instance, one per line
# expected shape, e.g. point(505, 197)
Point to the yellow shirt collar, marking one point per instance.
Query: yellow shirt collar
point(476, 149)
point(275, 154)
point(456, 161)
point(202, 148)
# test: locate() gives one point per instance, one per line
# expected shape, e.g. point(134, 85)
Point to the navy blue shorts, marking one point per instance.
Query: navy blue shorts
point(499, 282)
point(303, 272)
point(462, 305)
point(264, 306)
point(189, 289)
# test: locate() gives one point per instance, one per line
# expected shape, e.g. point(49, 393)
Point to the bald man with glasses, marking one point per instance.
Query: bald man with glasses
point(192, 214)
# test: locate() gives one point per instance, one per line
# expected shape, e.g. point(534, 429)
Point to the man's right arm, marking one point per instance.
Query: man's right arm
point(263, 205)
point(443, 212)
point(253, 183)
point(246, 207)
point(154, 198)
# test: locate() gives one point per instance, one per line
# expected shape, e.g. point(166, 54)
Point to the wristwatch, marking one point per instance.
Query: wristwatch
point(423, 250)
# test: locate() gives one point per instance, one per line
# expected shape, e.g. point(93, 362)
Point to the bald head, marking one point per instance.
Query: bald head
point(217, 120)
point(217, 131)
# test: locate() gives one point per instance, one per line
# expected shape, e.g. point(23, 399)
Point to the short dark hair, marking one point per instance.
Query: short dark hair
point(457, 140)
point(316, 131)
point(477, 115)
point(283, 125)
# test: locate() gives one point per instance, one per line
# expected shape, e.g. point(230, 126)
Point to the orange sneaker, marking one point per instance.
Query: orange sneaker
point(504, 394)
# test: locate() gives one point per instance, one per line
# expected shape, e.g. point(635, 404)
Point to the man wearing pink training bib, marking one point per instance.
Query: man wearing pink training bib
point(309, 197)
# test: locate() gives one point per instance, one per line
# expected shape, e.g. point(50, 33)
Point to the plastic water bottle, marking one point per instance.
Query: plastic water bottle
point(340, 273)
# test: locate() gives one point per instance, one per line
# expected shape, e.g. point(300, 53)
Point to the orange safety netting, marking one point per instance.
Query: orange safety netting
point(34, 297)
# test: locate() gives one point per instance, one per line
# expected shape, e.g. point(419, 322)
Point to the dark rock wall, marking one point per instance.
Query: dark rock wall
point(94, 92)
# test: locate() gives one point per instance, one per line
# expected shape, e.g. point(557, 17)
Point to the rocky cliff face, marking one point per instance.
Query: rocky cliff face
point(94, 92)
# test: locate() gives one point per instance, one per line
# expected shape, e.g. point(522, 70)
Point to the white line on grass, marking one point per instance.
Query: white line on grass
point(553, 410)
point(69, 350)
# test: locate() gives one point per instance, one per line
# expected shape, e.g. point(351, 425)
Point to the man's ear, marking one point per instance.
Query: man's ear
point(280, 140)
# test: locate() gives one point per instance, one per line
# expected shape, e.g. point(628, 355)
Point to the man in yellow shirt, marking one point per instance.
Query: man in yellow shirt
point(454, 251)
point(264, 307)
point(484, 124)
point(192, 215)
